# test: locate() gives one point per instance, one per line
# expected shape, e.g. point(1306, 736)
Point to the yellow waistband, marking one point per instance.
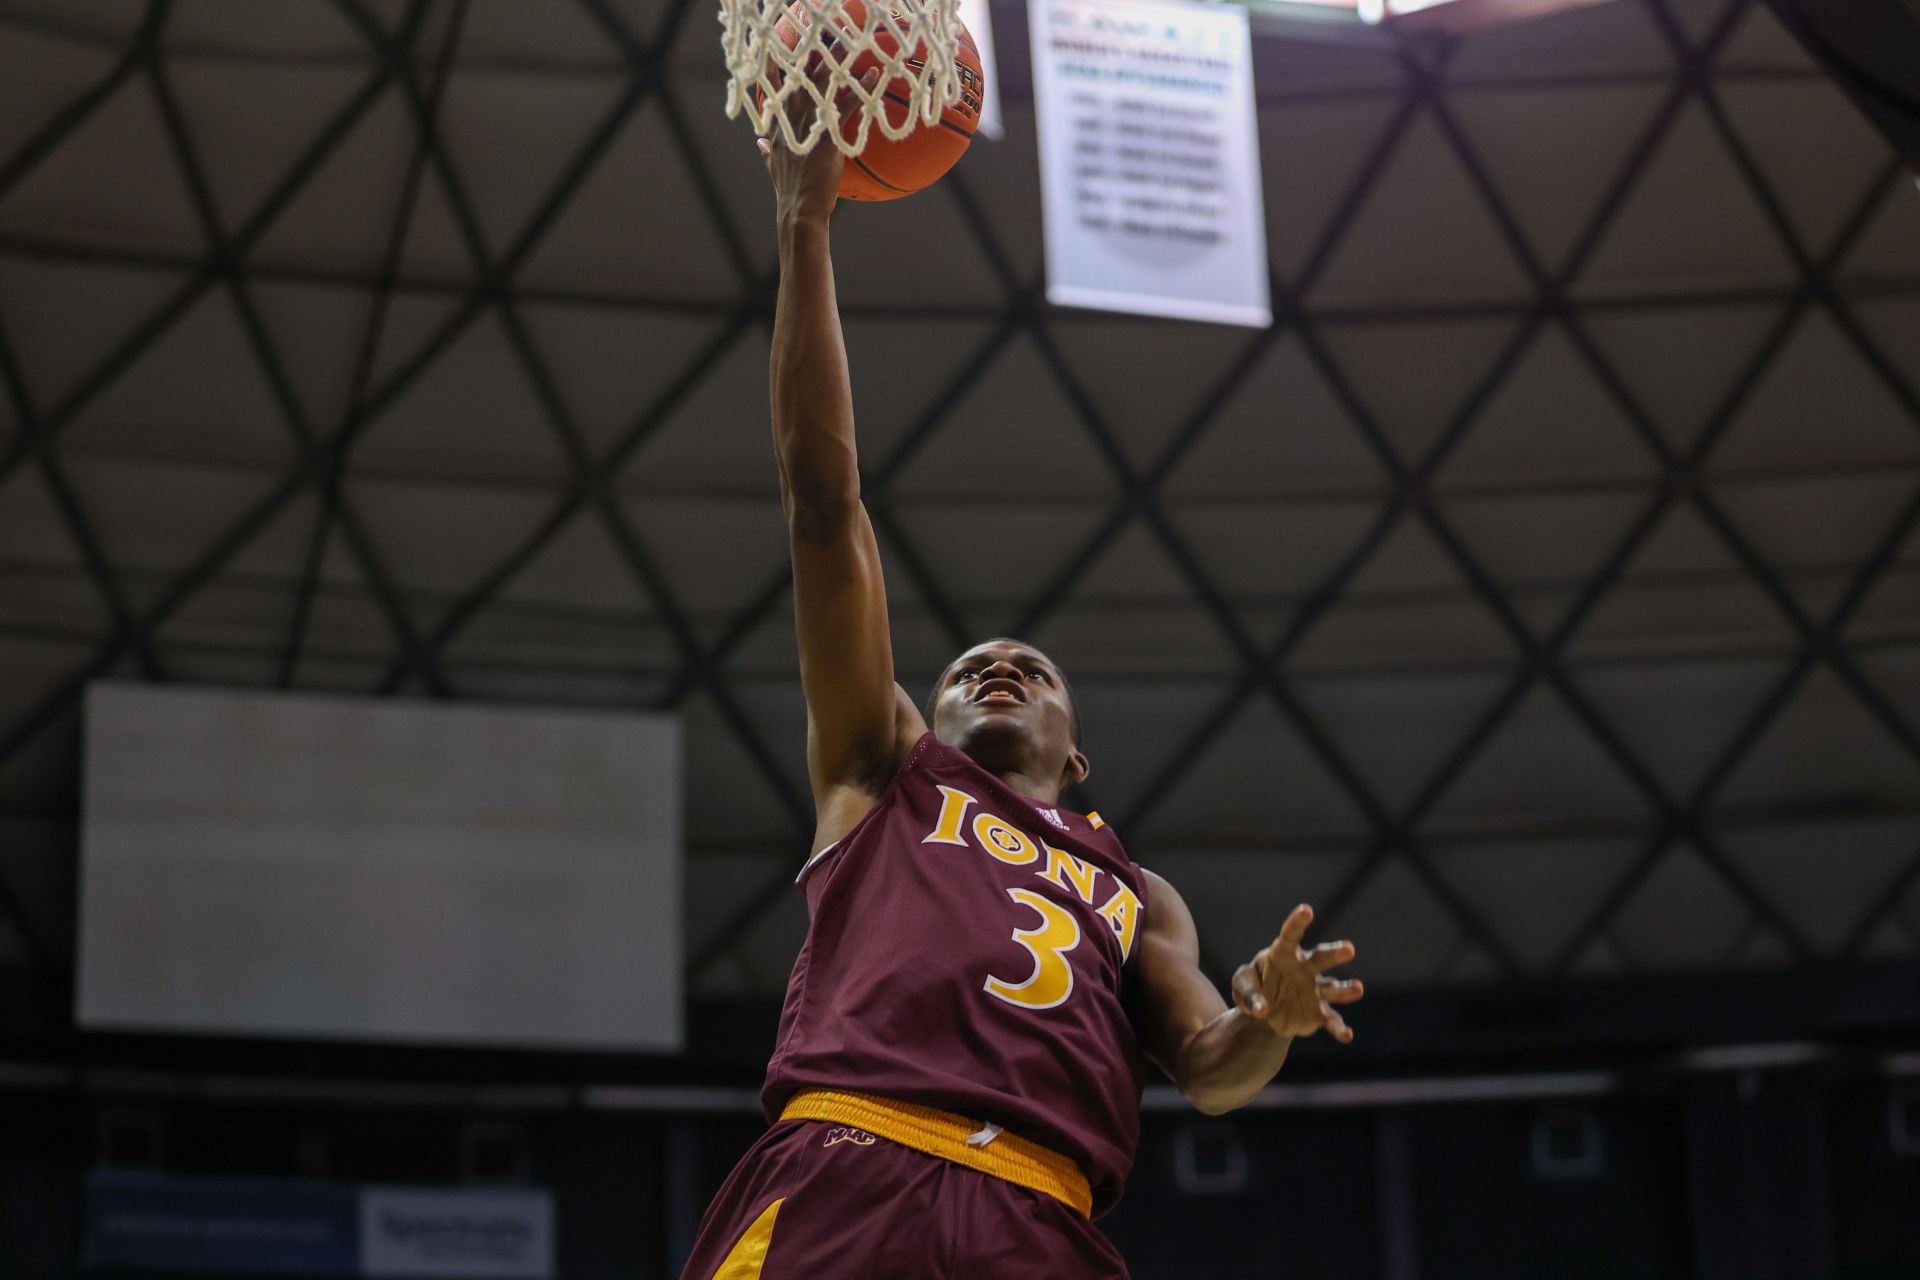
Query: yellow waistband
point(943, 1134)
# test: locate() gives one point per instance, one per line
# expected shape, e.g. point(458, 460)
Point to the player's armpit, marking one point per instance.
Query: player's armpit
point(840, 806)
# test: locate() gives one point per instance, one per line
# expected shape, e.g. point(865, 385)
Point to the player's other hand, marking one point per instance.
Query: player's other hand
point(807, 187)
point(1287, 986)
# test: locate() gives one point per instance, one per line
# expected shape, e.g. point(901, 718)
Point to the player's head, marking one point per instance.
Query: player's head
point(1007, 705)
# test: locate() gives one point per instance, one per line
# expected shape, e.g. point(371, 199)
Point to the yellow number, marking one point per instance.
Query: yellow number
point(1052, 978)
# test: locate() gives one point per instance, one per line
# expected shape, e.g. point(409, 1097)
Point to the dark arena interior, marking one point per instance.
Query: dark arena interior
point(404, 761)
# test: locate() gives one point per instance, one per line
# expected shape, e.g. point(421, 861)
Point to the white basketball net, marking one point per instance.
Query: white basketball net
point(767, 76)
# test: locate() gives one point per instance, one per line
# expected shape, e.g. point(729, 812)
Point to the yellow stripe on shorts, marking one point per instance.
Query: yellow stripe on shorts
point(749, 1252)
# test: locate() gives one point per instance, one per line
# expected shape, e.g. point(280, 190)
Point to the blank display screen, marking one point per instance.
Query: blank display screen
point(259, 864)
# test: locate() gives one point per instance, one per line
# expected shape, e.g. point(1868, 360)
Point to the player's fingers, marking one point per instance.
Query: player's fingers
point(1340, 990)
point(1295, 927)
point(1336, 1025)
point(1247, 995)
point(1271, 977)
point(820, 70)
point(799, 109)
point(847, 101)
point(843, 95)
point(1329, 955)
point(765, 148)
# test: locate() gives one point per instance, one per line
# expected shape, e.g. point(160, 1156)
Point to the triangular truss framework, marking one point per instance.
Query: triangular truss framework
point(413, 58)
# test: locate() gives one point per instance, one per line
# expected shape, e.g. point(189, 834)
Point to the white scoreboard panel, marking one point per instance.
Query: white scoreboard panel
point(259, 864)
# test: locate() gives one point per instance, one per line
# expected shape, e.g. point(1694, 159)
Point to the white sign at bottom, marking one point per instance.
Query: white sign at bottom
point(475, 1235)
point(1150, 158)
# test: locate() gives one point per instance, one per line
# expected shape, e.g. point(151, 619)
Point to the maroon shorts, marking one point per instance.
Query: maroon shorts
point(853, 1205)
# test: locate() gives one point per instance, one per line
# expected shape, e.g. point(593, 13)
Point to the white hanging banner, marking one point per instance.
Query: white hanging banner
point(1150, 158)
point(978, 16)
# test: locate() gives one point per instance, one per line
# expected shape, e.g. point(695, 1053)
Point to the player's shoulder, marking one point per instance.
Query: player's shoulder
point(1159, 892)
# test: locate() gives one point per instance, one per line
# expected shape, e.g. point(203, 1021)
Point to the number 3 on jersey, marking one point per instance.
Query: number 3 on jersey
point(1048, 942)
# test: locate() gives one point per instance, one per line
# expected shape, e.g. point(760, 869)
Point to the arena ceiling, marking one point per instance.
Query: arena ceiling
point(1540, 596)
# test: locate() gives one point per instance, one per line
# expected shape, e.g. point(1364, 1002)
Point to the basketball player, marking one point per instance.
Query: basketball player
point(956, 1086)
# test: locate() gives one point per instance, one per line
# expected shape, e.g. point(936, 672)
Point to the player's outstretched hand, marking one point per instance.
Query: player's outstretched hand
point(1287, 987)
point(807, 187)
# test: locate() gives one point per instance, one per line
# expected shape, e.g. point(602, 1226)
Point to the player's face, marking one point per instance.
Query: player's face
point(1004, 704)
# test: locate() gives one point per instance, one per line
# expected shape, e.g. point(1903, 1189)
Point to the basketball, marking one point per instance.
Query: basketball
point(888, 168)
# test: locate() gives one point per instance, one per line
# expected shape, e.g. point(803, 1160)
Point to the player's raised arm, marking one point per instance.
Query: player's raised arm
point(856, 717)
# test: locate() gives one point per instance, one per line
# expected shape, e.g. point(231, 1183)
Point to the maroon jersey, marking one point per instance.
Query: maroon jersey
point(972, 951)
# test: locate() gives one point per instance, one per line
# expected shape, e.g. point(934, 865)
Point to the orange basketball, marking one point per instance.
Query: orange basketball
point(888, 169)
